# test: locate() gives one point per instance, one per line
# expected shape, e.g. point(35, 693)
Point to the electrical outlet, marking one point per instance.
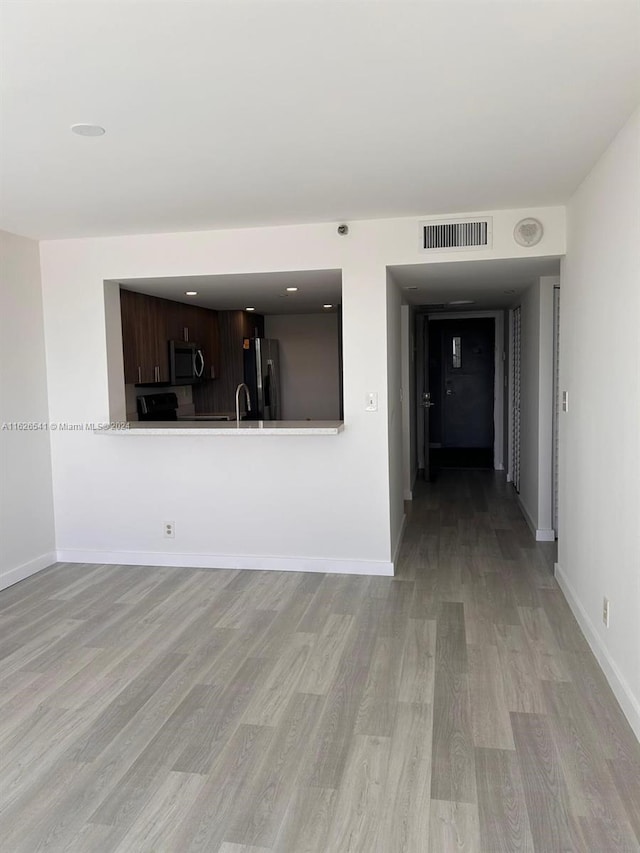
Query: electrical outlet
point(565, 401)
point(605, 612)
point(169, 530)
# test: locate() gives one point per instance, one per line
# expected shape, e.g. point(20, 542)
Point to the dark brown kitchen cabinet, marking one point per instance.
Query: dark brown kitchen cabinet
point(196, 325)
point(149, 323)
point(232, 327)
point(207, 335)
point(129, 336)
point(187, 318)
point(144, 339)
point(252, 325)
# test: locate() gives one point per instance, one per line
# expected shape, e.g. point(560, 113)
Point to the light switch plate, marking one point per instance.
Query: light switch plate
point(371, 404)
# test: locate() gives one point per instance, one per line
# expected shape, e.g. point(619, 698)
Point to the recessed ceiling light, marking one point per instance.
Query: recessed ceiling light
point(327, 306)
point(411, 287)
point(462, 302)
point(292, 289)
point(191, 293)
point(88, 129)
point(249, 309)
point(509, 292)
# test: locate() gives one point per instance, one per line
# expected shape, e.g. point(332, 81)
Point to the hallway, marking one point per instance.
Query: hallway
point(453, 709)
point(524, 723)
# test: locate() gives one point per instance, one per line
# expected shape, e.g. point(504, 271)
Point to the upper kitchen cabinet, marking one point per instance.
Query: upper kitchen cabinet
point(149, 323)
point(129, 335)
point(196, 325)
point(144, 339)
point(208, 336)
point(251, 325)
point(181, 320)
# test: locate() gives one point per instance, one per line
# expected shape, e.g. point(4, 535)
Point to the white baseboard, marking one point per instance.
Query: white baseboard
point(628, 702)
point(509, 477)
point(396, 550)
point(545, 534)
point(542, 534)
point(230, 561)
point(498, 467)
point(19, 573)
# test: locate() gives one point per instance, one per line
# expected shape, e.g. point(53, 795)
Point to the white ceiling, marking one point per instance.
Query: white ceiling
point(231, 114)
point(266, 292)
point(490, 284)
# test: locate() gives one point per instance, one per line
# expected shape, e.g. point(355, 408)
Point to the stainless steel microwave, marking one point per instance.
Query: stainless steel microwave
point(186, 363)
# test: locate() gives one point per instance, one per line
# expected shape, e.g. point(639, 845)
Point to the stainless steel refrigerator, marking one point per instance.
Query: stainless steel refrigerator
point(262, 377)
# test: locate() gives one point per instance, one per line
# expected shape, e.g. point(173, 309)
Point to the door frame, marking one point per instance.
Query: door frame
point(499, 374)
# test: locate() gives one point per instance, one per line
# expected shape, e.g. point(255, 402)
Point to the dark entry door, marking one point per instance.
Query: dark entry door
point(462, 385)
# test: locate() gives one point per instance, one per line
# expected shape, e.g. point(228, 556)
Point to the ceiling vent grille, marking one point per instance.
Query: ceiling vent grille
point(456, 235)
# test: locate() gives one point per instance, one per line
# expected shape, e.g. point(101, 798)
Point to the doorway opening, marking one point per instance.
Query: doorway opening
point(460, 390)
point(461, 375)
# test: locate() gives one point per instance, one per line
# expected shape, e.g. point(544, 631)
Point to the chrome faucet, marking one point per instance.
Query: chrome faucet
point(247, 400)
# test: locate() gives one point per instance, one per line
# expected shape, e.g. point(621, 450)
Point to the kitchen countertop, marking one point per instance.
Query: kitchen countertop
point(200, 427)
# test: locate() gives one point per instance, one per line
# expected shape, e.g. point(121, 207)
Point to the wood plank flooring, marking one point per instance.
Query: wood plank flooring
point(455, 707)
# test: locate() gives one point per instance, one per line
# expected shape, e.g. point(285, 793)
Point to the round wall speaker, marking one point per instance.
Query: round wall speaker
point(528, 232)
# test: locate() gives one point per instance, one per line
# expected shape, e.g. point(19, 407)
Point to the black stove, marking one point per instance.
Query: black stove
point(158, 407)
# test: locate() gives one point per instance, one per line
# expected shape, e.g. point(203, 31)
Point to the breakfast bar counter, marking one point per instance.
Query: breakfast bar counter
point(199, 427)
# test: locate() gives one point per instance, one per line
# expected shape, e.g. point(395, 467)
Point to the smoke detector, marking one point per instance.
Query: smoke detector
point(528, 232)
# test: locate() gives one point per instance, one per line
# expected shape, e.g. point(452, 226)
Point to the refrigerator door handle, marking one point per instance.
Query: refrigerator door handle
point(273, 391)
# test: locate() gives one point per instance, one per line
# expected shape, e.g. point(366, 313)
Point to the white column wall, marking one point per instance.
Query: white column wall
point(529, 386)
point(599, 506)
point(536, 406)
point(545, 411)
point(27, 539)
point(409, 461)
point(394, 413)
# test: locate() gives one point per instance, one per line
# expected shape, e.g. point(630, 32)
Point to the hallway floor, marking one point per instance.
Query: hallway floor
point(455, 708)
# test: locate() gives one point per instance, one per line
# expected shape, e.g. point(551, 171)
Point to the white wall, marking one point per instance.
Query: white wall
point(394, 413)
point(536, 406)
point(27, 542)
point(545, 528)
point(309, 364)
point(529, 379)
point(313, 501)
point(409, 403)
point(599, 546)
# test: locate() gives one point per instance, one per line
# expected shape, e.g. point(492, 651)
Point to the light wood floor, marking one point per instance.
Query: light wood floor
point(453, 708)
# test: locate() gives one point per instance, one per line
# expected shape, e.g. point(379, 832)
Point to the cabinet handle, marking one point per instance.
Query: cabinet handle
point(139, 374)
point(157, 373)
point(185, 333)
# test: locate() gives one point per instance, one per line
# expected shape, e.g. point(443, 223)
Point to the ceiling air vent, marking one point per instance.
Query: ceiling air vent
point(456, 235)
